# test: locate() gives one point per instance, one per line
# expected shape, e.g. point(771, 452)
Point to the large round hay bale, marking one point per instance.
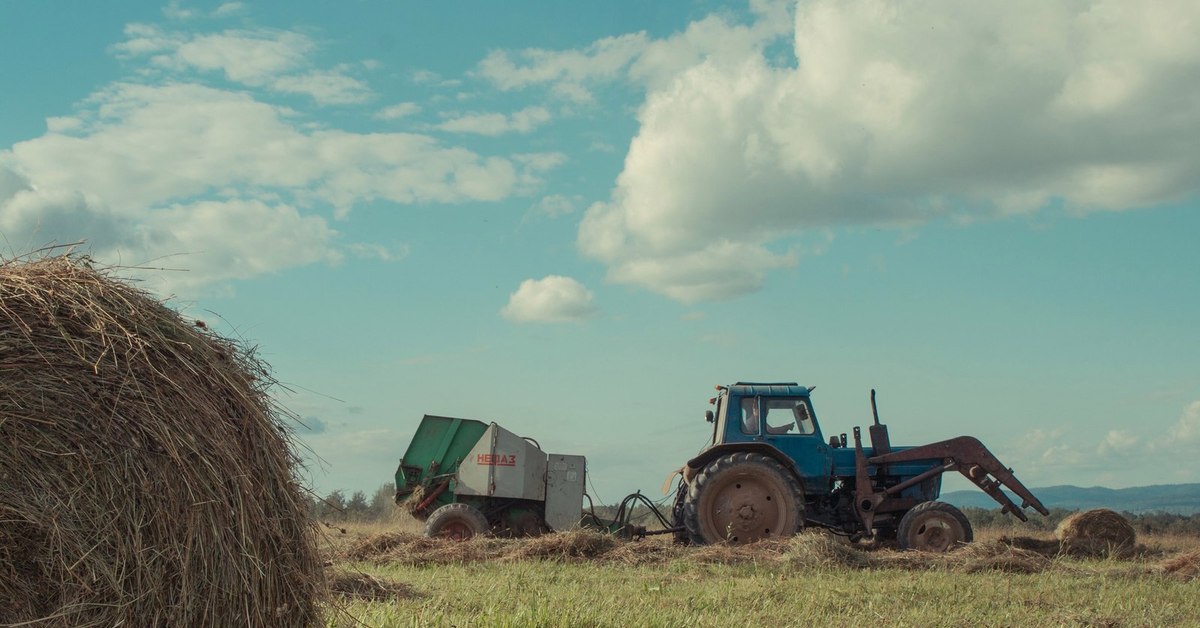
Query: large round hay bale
point(1098, 532)
point(146, 478)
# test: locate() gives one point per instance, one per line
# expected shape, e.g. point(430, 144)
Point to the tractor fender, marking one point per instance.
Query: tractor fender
point(695, 465)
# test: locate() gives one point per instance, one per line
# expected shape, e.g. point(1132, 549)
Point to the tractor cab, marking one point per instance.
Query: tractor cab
point(777, 418)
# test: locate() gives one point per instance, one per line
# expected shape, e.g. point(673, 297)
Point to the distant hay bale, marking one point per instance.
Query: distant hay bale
point(1098, 532)
point(146, 478)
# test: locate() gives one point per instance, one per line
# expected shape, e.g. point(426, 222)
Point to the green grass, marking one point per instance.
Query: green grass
point(682, 592)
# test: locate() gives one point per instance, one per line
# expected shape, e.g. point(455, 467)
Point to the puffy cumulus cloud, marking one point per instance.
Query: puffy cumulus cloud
point(523, 121)
point(143, 145)
point(552, 299)
point(635, 57)
point(180, 248)
point(219, 241)
point(886, 114)
point(222, 184)
point(277, 60)
point(606, 60)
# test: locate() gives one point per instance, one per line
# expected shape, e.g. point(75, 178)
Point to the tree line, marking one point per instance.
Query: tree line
point(336, 507)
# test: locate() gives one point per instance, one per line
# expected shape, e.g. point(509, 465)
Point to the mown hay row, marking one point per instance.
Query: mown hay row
point(808, 550)
point(146, 478)
point(362, 586)
point(1184, 566)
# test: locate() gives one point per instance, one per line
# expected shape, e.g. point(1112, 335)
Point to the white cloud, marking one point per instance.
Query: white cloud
point(886, 114)
point(366, 250)
point(146, 145)
point(523, 121)
point(224, 185)
point(229, 8)
point(1187, 429)
point(329, 87)
point(273, 59)
point(1119, 443)
point(605, 59)
point(1064, 455)
point(556, 205)
point(552, 299)
point(219, 241)
point(397, 111)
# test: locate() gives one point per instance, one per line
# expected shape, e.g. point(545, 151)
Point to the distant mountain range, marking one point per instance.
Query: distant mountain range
point(1176, 498)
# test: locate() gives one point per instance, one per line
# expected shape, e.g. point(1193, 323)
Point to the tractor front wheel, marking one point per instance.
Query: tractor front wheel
point(933, 527)
point(457, 522)
point(742, 498)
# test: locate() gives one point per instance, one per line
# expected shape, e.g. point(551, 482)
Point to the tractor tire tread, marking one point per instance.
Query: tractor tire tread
point(691, 514)
point(466, 513)
point(915, 514)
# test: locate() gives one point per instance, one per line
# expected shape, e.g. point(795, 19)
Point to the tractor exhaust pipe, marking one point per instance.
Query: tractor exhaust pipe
point(880, 440)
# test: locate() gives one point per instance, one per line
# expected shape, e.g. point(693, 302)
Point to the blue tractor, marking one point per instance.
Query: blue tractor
point(769, 472)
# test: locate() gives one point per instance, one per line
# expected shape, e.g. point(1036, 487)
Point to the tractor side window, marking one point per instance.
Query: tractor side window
point(749, 415)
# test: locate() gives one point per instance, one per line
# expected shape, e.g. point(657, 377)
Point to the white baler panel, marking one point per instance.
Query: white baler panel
point(503, 464)
point(564, 491)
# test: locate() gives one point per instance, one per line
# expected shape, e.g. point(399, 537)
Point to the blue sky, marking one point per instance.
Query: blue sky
point(575, 220)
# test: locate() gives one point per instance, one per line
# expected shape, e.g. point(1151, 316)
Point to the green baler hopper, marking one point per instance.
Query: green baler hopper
point(432, 459)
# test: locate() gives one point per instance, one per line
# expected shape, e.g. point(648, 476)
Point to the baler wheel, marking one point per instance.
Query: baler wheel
point(741, 498)
point(934, 527)
point(457, 522)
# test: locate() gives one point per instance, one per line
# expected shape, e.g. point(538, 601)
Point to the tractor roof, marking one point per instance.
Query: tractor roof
point(769, 389)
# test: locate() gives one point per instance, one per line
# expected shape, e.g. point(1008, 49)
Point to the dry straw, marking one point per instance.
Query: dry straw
point(146, 478)
point(1098, 532)
point(1184, 566)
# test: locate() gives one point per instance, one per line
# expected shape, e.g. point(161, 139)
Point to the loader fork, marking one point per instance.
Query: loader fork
point(964, 454)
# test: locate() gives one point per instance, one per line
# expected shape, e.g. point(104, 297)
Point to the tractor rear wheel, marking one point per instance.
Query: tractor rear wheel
point(742, 498)
point(458, 522)
point(933, 527)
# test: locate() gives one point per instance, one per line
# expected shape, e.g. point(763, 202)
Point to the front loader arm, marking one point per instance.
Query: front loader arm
point(969, 457)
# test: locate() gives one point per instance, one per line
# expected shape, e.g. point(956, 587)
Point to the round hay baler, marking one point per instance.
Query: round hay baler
point(146, 477)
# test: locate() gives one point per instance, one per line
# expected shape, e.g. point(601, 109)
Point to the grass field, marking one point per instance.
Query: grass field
point(587, 580)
